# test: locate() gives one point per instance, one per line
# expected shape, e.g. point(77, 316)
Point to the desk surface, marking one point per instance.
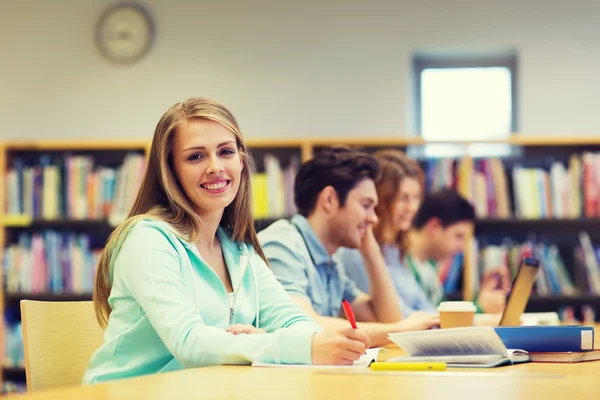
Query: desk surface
point(548, 381)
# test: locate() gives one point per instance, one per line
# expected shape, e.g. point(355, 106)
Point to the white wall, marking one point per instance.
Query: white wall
point(287, 68)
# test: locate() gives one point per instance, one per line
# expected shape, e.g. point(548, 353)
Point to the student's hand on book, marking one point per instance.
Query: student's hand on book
point(418, 321)
point(238, 329)
point(339, 348)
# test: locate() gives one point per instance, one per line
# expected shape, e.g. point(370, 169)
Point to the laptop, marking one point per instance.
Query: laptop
point(520, 292)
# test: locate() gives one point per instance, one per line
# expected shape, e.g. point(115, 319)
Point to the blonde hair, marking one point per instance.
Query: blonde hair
point(161, 197)
point(395, 167)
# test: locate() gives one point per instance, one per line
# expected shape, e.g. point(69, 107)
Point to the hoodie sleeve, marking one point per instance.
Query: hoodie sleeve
point(148, 268)
point(277, 309)
point(279, 313)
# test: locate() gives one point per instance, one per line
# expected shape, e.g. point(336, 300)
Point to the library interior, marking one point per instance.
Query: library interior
point(479, 98)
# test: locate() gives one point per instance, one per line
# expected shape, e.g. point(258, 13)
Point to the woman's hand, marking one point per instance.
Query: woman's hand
point(495, 286)
point(339, 348)
point(238, 329)
point(418, 321)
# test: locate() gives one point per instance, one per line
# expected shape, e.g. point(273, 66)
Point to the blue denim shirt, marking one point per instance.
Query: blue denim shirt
point(303, 266)
point(411, 296)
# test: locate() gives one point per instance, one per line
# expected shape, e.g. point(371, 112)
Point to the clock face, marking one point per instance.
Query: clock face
point(124, 34)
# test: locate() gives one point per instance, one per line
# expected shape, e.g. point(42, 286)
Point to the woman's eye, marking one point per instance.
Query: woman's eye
point(195, 157)
point(227, 152)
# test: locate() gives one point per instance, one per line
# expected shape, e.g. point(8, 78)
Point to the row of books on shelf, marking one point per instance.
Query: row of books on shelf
point(55, 262)
point(554, 278)
point(77, 187)
point(561, 191)
point(73, 187)
point(50, 261)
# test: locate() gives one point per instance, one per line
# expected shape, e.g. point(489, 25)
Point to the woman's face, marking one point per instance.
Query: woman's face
point(408, 200)
point(207, 164)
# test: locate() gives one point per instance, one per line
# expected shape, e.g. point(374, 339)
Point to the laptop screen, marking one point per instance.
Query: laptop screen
point(520, 292)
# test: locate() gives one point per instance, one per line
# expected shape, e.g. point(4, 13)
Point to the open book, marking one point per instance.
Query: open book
point(471, 347)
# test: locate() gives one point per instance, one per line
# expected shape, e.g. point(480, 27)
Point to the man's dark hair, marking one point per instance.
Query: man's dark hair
point(447, 206)
point(339, 167)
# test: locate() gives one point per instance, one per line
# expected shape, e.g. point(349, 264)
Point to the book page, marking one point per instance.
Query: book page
point(517, 355)
point(453, 341)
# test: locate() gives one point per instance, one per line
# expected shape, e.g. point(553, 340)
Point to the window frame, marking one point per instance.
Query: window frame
point(422, 62)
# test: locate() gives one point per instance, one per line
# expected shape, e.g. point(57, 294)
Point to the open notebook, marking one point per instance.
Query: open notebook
point(363, 362)
point(472, 347)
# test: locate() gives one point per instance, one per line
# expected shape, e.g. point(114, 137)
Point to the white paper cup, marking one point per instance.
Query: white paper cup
point(454, 314)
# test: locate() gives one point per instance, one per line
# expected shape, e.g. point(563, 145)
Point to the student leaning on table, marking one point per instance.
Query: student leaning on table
point(442, 224)
point(336, 198)
point(183, 282)
point(400, 191)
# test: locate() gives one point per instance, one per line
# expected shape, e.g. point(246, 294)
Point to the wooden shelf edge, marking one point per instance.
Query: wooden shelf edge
point(558, 297)
point(17, 297)
point(13, 369)
point(541, 140)
point(10, 222)
point(365, 139)
point(398, 139)
point(273, 143)
point(536, 220)
point(395, 140)
point(76, 145)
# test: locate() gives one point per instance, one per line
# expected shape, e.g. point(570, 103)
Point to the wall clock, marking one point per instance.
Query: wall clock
point(125, 33)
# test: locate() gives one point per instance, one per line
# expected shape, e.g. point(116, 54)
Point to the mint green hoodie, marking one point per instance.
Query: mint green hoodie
point(170, 309)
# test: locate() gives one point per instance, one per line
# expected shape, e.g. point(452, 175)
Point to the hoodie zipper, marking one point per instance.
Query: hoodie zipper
point(244, 265)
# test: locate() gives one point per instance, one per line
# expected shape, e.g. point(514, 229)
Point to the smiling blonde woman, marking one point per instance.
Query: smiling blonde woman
point(183, 281)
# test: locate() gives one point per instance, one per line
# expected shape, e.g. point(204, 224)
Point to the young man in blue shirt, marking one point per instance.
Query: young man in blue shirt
point(336, 198)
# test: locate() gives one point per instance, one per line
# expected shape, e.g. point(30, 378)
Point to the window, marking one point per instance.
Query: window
point(465, 100)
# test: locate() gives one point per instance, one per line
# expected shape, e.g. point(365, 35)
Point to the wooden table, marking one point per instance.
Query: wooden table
point(525, 381)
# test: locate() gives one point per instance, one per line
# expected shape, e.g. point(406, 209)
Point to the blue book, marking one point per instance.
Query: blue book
point(547, 338)
point(453, 278)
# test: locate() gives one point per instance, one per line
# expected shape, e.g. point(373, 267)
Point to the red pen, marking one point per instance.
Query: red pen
point(349, 313)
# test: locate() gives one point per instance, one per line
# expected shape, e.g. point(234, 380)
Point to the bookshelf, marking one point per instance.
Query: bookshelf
point(60, 202)
point(276, 160)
